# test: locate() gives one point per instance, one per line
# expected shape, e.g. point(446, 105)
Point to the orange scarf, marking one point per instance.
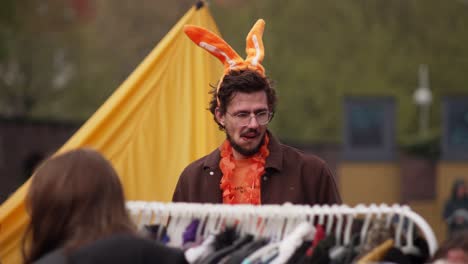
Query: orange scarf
point(257, 167)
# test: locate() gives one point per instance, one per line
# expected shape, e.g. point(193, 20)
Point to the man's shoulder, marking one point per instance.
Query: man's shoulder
point(207, 160)
point(292, 153)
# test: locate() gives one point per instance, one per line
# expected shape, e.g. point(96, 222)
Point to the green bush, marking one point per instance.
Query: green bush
point(422, 146)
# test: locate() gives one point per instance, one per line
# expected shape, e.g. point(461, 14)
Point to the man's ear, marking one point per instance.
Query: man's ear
point(219, 116)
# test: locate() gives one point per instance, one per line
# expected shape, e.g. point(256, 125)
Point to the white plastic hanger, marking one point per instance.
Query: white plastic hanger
point(290, 221)
point(410, 248)
point(339, 247)
point(133, 210)
point(349, 224)
point(330, 219)
point(401, 219)
point(390, 213)
point(287, 247)
point(280, 224)
point(321, 216)
point(217, 216)
point(200, 214)
point(186, 217)
point(272, 224)
point(339, 225)
point(366, 224)
point(207, 218)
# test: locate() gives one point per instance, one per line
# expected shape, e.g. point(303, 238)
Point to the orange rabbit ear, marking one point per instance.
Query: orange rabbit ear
point(254, 48)
point(214, 45)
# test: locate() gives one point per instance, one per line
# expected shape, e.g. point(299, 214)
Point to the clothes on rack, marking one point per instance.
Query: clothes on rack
point(289, 234)
point(230, 247)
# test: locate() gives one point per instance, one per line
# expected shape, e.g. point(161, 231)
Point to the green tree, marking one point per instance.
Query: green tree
point(37, 63)
point(321, 51)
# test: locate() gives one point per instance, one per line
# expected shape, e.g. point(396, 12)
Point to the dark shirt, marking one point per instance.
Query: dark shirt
point(290, 176)
point(241, 254)
point(218, 255)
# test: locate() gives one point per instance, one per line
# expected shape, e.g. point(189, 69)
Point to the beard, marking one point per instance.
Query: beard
point(244, 151)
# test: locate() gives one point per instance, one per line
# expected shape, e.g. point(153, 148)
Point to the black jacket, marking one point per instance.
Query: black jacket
point(290, 176)
point(118, 249)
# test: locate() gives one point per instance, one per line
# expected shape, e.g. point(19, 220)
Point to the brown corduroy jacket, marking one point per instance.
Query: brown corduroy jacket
point(290, 176)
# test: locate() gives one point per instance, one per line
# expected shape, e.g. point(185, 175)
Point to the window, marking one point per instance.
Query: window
point(455, 128)
point(369, 128)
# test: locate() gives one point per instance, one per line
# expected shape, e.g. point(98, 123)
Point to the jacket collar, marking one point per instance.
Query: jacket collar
point(273, 161)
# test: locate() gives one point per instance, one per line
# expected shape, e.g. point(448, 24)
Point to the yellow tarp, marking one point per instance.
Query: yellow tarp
point(154, 124)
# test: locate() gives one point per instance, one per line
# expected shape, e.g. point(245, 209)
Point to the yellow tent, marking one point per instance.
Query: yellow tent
point(154, 124)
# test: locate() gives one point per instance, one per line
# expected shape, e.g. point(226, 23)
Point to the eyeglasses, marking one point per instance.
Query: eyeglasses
point(244, 118)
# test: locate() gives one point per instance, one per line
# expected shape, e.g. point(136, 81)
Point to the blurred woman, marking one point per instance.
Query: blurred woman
point(456, 208)
point(77, 209)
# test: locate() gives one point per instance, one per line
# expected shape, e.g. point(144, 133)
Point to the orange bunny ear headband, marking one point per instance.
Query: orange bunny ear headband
point(226, 54)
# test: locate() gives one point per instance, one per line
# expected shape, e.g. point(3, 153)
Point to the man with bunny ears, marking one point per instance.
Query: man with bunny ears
point(251, 166)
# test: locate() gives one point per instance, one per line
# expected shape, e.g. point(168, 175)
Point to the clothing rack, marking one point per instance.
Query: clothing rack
point(147, 213)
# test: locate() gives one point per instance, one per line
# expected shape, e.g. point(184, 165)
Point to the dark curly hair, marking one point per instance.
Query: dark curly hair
point(244, 81)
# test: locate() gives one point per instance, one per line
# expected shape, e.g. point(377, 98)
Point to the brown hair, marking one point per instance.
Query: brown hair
point(458, 241)
point(245, 81)
point(75, 198)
